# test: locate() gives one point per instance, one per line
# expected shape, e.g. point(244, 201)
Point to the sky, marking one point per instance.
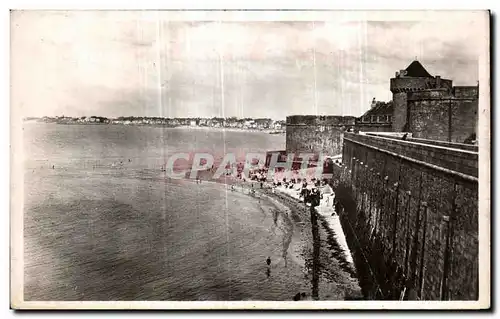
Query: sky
point(145, 63)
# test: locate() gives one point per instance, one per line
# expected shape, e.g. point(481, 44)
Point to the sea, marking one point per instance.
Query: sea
point(103, 223)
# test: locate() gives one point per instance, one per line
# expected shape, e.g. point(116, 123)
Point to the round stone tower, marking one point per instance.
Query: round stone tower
point(414, 78)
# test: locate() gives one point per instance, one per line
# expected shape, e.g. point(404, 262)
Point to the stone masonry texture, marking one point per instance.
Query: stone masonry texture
point(438, 117)
point(415, 225)
point(316, 134)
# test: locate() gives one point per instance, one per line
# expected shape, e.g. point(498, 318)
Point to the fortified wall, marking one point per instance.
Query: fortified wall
point(316, 134)
point(410, 214)
point(408, 204)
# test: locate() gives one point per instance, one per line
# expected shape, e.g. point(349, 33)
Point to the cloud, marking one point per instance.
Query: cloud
point(116, 63)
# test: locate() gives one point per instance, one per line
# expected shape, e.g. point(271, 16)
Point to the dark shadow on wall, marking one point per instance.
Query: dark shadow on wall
point(316, 250)
point(343, 195)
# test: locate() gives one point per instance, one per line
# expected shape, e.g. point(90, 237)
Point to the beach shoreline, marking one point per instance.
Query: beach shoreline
point(337, 274)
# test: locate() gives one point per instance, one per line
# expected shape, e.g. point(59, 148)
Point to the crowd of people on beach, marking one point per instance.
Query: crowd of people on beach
point(312, 192)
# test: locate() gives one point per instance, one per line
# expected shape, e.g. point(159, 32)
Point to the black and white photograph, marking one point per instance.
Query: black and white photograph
point(167, 159)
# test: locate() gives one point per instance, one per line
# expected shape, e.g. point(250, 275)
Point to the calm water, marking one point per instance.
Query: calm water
point(105, 224)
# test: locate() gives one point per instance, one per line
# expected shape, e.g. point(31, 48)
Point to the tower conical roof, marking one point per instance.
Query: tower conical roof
point(415, 69)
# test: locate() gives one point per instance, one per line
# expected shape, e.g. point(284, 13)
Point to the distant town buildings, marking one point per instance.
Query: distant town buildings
point(215, 122)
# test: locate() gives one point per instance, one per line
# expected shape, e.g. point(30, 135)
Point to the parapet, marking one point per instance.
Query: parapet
point(471, 92)
point(410, 84)
point(458, 92)
point(435, 94)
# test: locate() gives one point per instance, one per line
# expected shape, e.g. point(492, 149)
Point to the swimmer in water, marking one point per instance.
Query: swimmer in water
point(268, 261)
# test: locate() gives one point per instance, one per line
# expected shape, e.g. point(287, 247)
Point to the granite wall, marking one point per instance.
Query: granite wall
point(434, 115)
point(410, 214)
point(316, 134)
